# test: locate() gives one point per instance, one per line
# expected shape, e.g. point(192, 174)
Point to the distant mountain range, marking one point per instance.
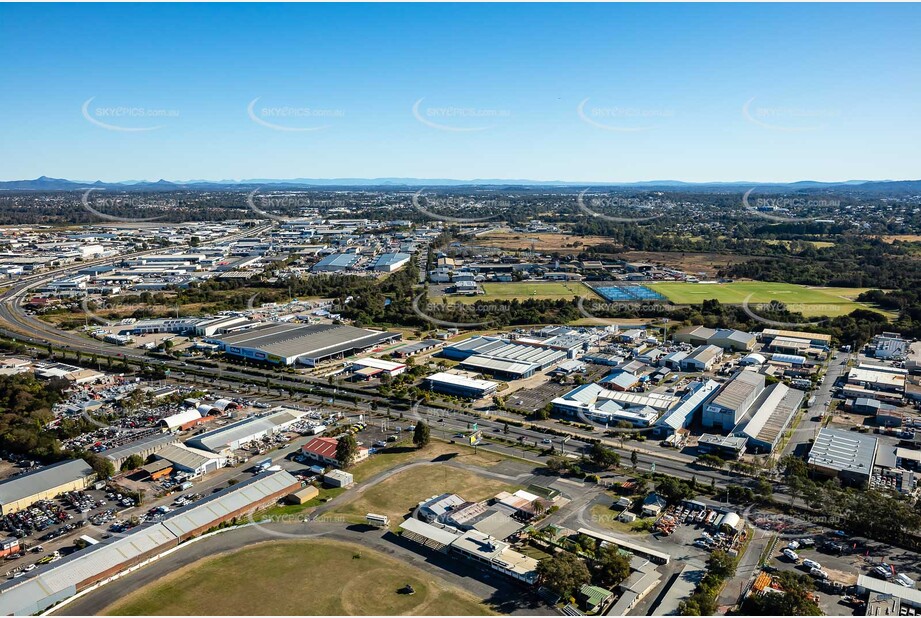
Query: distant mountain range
point(44, 183)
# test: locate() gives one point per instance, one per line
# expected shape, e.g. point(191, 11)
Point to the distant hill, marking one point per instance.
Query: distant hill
point(45, 183)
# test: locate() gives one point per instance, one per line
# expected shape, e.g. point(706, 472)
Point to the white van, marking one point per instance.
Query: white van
point(811, 564)
point(905, 580)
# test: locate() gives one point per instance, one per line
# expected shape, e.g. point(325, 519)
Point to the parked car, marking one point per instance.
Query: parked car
point(790, 554)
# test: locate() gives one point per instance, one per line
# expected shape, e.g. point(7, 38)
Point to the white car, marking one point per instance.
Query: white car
point(811, 564)
point(818, 573)
point(904, 580)
point(792, 555)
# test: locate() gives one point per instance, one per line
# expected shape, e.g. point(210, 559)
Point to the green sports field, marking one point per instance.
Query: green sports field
point(523, 290)
point(810, 301)
point(292, 578)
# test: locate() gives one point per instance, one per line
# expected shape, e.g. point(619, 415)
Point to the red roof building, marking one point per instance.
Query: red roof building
point(324, 450)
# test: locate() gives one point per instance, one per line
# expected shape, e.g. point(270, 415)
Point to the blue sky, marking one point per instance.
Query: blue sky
point(547, 92)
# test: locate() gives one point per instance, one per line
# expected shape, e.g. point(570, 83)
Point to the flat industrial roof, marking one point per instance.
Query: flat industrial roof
point(844, 451)
point(184, 456)
point(773, 412)
point(457, 380)
point(309, 341)
point(139, 446)
point(741, 387)
point(20, 596)
point(43, 479)
point(677, 417)
point(252, 491)
point(428, 531)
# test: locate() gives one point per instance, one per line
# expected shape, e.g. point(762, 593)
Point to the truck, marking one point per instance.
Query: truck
point(263, 465)
point(186, 485)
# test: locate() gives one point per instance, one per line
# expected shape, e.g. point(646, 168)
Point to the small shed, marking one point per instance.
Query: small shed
point(302, 495)
point(338, 478)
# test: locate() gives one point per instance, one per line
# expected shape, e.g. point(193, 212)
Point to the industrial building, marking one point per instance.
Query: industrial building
point(336, 262)
point(324, 450)
point(310, 345)
point(702, 358)
point(417, 347)
point(460, 386)
point(58, 581)
point(509, 360)
point(192, 461)
point(473, 545)
point(594, 402)
point(848, 455)
point(733, 401)
point(225, 440)
point(725, 338)
point(389, 262)
point(769, 417)
point(176, 422)
point(21, 492)
point(682, 415)
point(367, 368)
point(143, 448)
point(815, 340)
point(878, 378)
point(727, 447)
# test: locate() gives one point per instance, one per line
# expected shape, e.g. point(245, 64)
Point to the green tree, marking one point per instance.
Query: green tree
point(102, 466)
point(133, 463)
point(604, 456)
point(421, 436)
point(564, 573)
point(634, 459)
point(611, 567)
point(346, 450)
point(721, 564)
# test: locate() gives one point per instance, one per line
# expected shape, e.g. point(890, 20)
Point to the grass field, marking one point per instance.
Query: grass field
point(399, 494)
point(523, 290)
point(810, 301)
point(317, 578)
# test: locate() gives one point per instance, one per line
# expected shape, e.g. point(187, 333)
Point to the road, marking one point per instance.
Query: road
point(810, 423)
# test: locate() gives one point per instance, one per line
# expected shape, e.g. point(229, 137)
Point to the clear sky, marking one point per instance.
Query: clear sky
point(546, 92)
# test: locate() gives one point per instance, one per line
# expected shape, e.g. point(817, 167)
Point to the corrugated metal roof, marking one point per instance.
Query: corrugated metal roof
point(742, 386)
point(190, 518)
point(43, 479)
point(311, 341)
point(139, 446)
